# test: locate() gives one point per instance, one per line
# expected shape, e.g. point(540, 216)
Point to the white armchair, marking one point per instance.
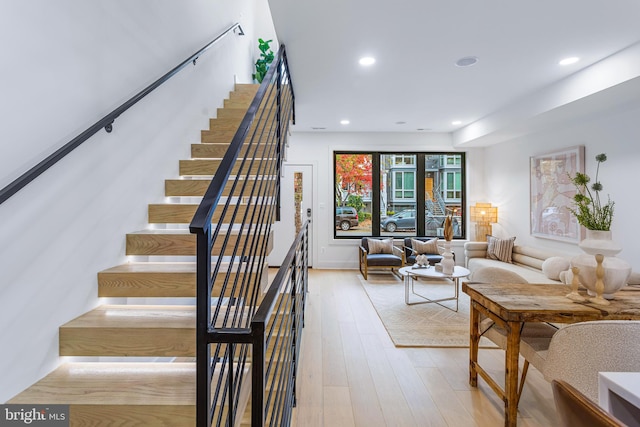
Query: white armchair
point(576, 352)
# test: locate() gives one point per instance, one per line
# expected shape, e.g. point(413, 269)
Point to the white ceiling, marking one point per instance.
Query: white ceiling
point(416, 44)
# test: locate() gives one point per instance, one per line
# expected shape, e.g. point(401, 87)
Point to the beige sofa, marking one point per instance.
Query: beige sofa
point(527, 261)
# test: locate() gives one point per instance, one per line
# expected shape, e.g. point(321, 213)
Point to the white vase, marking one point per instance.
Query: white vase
point(447, 262)
point(616, 270)
point(600, 242)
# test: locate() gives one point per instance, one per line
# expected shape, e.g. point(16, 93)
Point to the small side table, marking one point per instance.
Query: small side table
point(619, 394)
point(410, 273)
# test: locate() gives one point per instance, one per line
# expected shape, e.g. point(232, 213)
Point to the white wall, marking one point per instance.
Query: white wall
point(317, 149)
point(498, 174)
point(65, 64)
point(614, 132)
point(263, 28)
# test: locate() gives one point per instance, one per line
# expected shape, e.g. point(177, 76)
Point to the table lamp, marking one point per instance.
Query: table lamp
point(483, 214)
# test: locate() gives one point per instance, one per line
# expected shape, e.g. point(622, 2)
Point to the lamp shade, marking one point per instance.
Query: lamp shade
point(484, 213)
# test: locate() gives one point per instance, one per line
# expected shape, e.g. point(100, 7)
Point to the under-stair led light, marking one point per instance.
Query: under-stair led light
point(569, 61)
point(367, 61)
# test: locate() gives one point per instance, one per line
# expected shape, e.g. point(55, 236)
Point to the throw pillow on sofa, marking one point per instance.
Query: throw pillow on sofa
point(500, 249)
point(553, 266)
point(377, 246)
point(428, 247)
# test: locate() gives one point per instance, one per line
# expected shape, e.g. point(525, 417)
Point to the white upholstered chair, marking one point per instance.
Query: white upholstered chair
point(579, 351)
point(576, 352)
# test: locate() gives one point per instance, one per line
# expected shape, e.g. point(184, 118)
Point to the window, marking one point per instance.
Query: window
point(400, 194)
point(353, 184)
point(450, 160)
point(404, 185)
point(453, 182)
point(402, 160)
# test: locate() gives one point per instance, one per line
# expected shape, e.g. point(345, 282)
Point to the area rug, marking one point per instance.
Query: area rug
point(421, 325)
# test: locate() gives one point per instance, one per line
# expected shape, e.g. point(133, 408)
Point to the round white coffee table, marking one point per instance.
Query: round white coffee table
point(410, 273)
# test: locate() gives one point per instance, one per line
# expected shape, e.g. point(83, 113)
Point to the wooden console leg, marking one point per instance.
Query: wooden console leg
point(474, 338)
point(511, 374)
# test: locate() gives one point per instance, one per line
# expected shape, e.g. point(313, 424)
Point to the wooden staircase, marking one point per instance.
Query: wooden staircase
point(128, 392)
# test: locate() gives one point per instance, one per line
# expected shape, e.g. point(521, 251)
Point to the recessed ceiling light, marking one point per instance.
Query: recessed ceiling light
point(344, 122)
point(401, 123)
point(456, 122)
point(467, 61)
point(569, 61)
point(423, 129)
point(367, 60)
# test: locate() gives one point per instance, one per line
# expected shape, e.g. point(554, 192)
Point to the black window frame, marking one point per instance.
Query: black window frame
point(419, 189)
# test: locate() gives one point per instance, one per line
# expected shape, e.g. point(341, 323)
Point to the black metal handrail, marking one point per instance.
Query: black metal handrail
point(106, 122)
point(286, 297)
point(248, 175)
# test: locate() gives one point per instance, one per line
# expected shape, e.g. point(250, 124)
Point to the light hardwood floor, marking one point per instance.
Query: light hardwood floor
point(351, 374)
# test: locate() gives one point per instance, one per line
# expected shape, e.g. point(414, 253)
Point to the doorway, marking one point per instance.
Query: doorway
point(296, 204)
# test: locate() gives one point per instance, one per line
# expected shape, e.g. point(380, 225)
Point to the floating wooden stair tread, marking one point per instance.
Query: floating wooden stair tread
point(198, 186)
point(182, 242)
point(182, 213)
point(214, 137)
point(232, 122)
point(237, 102)
point(244, 91)
point(239, 112)
point(208, 167)
point(189, 187)
point(225, 124)
point(217, 136)
point(218, 150)
point(160, 331)
point(124, 394)
point(132, 330)
point(115, 384)
point(164, 279)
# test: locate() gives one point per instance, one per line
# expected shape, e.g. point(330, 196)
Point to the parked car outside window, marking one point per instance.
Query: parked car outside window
point(406, 220)
point(346, 217)
point(403, 220)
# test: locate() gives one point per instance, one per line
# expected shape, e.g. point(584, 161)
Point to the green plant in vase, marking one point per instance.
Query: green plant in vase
point(598, 269)
point(589, 209)
point(263, 62)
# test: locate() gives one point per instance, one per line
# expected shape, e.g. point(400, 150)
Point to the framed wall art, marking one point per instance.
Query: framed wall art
point(552, 194)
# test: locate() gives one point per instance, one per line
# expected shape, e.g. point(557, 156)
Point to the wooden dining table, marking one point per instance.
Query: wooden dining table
point(512, 305)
